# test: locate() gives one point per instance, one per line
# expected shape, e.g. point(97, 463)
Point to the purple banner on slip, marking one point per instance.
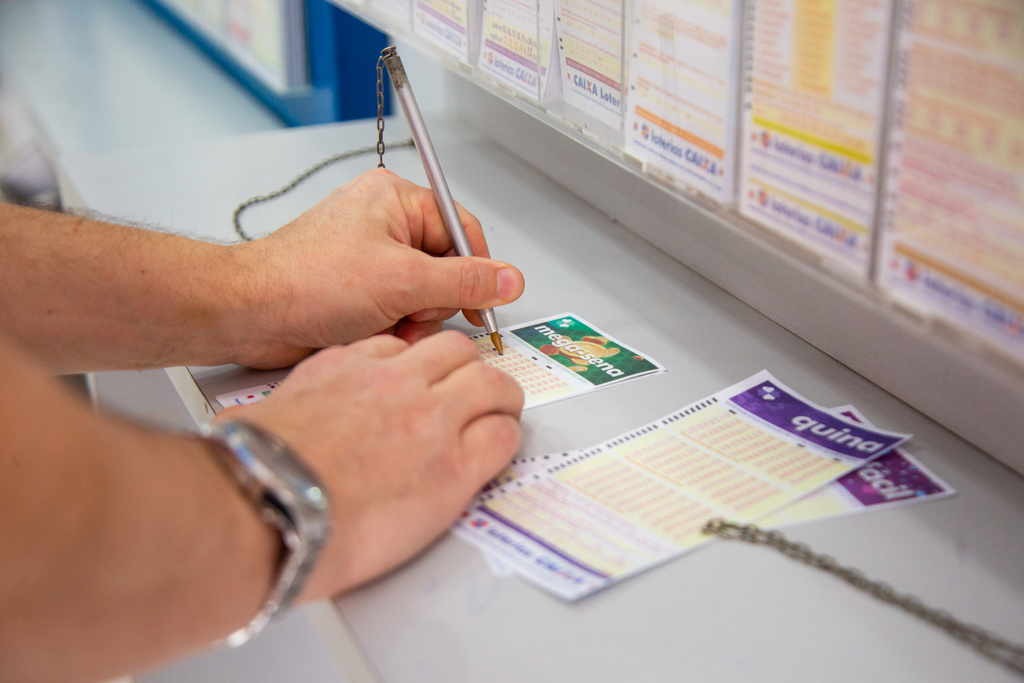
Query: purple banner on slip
point(888, 479)
point(771, 402)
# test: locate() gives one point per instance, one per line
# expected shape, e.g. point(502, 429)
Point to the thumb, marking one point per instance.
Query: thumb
point(468, 282)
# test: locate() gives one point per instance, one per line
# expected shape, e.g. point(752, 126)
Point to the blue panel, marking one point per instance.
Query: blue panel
point(353, 48)
point(342, 53)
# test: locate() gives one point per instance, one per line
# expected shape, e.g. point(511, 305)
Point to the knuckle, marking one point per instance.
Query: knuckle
point(389, 377)
point(325, 358)
point(376, 176)
point(473, 283)
point(504, 437)
point(425, 426)
point(500, 383)
point(461, 343)
point(405, 285)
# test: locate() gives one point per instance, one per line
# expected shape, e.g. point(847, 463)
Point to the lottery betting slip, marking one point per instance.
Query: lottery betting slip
point(561, 356)
point(602, 514)
point(552, 358)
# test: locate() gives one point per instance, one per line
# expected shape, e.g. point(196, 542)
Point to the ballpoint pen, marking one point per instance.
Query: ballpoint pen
point(442, 194)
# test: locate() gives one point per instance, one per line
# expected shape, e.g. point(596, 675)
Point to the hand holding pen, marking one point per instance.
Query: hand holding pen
point(432, 166)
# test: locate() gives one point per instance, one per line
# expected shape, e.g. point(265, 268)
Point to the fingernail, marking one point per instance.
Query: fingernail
point(508, 283)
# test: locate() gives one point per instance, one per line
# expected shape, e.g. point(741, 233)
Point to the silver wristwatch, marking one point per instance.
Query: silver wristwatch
point(287, 495)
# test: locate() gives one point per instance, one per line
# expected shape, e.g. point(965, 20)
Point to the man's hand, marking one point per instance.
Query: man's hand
point(402, 437)
point(125, 546)
point(362, 262)
point(88, 295)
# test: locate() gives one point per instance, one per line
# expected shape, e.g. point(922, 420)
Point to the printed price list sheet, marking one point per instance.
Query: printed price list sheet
point(515, 44)
point(589, 34)
point(813, 120)
point(444, 23)
point(642, 498)
point(954, 224)
point(683, 88)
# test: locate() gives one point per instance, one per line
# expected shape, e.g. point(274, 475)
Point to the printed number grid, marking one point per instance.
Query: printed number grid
point(539, 384)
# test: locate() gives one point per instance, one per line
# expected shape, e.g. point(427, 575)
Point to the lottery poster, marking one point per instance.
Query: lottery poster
point(550, 83)
point(590, 40)
point(509, 45)
point(954, 223)
point(813, 114)
point(683, 91)
point(444, 23)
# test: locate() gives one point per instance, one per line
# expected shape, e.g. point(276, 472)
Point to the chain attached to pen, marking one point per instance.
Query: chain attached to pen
point(380, 110)
point(984, 642)
point(332, 160)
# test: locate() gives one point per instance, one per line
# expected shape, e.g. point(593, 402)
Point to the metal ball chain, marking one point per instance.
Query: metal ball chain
point(332, 160)
point(988, 644)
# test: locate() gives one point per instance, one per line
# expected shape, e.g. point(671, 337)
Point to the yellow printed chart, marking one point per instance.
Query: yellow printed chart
point(596, 516)
point(509, 46)
point(683, 89)
point(896, 478)
point(954, 220)
point(812, 124)
point(443, 23)
point(589, 37)
point(539, 383)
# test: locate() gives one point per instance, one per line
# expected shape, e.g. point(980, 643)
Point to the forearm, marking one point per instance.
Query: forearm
point(123, 547)
point(88, 295)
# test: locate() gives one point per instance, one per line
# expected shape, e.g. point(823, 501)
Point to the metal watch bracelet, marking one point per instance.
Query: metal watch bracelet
point(287, 495)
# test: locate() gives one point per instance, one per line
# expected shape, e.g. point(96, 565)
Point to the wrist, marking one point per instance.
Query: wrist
point(288, 497)
point(255, 304)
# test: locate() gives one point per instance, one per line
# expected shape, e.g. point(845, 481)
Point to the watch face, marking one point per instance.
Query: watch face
point(278, 475)
point(287, 468)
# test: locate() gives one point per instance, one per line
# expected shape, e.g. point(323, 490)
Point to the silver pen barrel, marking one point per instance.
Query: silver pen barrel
point(432, 166)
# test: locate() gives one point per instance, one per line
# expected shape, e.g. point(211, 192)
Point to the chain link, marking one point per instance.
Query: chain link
point(332, 160)
point(303, 176)
point(988, 644)
point(380, 111)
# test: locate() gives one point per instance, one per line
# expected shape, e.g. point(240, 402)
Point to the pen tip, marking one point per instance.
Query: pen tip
point(496, 340)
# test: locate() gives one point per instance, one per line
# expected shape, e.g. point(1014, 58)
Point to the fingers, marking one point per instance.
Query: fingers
point(490, 442)
point(474, 232)
point(438, 356)
point(473, 316)
point(412, 332)
point(463, 283)
point(476, 389)
point(466, 387)
point(377, 346)
point(415, 283)
point(486, 402)
point(434, 236)
point(380, 346)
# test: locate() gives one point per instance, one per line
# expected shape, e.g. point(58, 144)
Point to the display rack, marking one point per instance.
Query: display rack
point(957, 378)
